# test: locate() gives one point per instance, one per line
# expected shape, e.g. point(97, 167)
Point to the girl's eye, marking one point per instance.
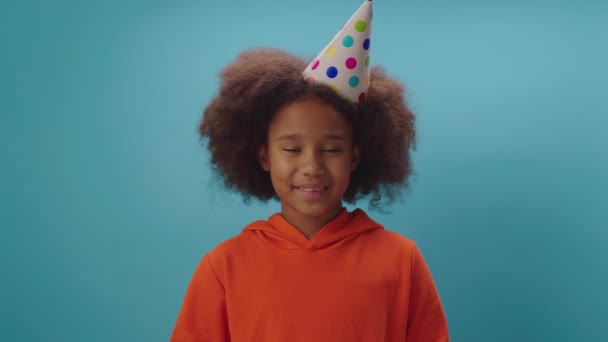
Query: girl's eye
point(332, 150)
point(291, 149)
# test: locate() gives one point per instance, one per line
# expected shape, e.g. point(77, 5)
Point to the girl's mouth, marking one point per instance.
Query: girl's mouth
point(311, 189)
point(312, 193)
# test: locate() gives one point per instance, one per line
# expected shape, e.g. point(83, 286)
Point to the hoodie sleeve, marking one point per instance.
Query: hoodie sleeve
point(426, 318)
point(203, 317)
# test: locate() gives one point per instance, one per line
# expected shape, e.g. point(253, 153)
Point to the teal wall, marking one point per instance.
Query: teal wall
point(107, 202)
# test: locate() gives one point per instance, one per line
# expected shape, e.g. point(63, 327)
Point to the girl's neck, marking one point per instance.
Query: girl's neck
point(309, 225)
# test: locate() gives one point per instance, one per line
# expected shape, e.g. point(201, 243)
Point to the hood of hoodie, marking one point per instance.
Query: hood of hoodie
point(343, 228)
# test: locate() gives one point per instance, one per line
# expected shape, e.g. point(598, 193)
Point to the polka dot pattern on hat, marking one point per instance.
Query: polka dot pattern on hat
point(360, 25)
point(344, 65)
point(350, 63)
point(348, 41)
point(331, 51)
point(332, 72)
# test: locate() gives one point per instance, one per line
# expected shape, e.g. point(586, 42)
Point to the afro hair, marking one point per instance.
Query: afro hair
point(262, 80)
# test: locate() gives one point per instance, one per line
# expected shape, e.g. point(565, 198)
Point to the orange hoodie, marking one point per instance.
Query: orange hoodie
point(353, 281)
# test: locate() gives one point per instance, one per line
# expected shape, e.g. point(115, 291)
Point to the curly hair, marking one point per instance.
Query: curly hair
point(261, 81)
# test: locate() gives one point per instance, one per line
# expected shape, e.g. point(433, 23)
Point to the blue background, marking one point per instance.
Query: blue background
point(107, 202)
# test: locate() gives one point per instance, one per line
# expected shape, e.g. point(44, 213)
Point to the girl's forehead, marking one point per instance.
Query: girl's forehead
point(309, 115)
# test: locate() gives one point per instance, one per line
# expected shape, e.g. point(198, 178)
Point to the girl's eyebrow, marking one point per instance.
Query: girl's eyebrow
point(294, 136)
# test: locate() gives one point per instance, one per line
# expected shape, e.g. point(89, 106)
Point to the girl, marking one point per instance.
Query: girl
point(314, 271)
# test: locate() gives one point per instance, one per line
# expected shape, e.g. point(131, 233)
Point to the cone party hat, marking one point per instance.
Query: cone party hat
point(343, 64)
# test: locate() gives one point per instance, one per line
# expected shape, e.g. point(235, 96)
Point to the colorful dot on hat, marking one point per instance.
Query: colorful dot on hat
point(315, 65)
point(351, 63)
point(331, 51)
point(353, 81)
point(348, 41)
point(334, 88)
point(360, 25)
point(362, 97)
point(332, 72)
point(367, 61)
point(366, 44)
point(366, 80)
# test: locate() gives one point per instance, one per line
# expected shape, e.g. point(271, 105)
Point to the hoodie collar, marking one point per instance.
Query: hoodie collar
point(343, 228)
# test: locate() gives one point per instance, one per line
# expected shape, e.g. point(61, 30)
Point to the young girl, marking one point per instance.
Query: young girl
point(279, 129)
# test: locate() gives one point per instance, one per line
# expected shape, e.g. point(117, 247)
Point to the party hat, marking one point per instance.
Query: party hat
point(343, 64)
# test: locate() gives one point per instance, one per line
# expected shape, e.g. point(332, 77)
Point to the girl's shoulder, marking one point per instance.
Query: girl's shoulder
point(385, 236)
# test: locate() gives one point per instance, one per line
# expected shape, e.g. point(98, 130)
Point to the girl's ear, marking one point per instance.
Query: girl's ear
point(356, 158)
point(263, 157)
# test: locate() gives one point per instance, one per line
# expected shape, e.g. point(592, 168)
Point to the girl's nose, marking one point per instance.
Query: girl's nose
point(312, 164)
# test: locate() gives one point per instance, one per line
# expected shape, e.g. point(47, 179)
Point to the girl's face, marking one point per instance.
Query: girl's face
point(310, 156)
